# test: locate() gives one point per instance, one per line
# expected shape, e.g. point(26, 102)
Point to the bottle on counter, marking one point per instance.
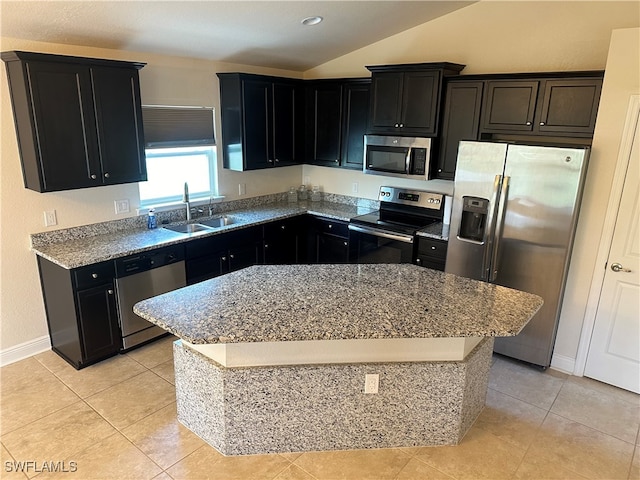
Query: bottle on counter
point(292, 195)
point(152, 221)
point(316, 196)
point(302, 193)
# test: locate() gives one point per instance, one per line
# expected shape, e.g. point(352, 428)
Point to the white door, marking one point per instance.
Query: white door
point(614, 350)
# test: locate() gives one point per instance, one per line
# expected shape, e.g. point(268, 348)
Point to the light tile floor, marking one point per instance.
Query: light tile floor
point(117, 420)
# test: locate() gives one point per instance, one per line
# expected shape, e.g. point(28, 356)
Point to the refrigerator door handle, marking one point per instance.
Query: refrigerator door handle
point(499, 229)
point(493, 202)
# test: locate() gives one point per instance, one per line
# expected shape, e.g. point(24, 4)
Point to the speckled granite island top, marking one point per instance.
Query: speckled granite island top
point(278, 303)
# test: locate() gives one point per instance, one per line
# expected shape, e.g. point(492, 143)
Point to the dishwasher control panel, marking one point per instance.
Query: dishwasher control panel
point(145, 261)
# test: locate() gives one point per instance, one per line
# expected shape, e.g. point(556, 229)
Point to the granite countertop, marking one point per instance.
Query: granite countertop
point(74, 252)
point(274, 303)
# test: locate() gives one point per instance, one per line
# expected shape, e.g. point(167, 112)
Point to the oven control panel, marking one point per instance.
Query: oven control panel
point(419, 198)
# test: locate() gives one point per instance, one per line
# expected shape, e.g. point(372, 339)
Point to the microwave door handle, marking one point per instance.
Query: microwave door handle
point(499, 229)
point(490, 228)
point(407, 162)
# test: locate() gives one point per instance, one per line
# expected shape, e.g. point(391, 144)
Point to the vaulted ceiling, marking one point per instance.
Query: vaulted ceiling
point(261, 33)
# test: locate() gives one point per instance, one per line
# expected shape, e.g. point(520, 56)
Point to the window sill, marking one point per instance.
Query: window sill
point(165, 207)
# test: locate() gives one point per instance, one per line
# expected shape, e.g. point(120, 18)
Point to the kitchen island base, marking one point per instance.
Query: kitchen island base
point(294, 408)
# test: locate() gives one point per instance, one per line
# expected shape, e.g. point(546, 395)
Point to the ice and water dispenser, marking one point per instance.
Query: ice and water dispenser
point(474, 218)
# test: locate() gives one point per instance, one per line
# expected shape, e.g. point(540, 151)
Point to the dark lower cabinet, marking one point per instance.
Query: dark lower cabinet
point(214, 256)
point(282, 245)
point(81, 311)
point(431, 253)
point(329, 241)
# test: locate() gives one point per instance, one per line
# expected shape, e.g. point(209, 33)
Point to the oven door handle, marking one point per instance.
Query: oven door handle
point(381, 233)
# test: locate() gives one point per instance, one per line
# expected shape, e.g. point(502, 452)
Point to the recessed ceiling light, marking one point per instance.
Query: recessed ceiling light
point(311, 20)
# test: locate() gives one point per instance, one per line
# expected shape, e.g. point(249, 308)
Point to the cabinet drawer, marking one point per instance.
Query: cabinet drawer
point(94, 275)
point(431, 247)
point(334, 227)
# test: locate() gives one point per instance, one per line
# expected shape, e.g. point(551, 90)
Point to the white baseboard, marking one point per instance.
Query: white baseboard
point(24, 350)
point(563, 363)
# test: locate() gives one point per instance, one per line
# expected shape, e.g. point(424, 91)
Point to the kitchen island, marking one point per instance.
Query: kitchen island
point(274, 358)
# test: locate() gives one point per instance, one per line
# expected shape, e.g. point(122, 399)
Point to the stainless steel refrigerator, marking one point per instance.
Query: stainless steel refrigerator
point(513, 220)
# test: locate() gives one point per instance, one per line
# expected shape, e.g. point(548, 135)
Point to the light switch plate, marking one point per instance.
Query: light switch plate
point(122, 206)
point(50, 218)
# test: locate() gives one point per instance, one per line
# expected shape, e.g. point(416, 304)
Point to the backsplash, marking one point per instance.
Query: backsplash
point(179, 215)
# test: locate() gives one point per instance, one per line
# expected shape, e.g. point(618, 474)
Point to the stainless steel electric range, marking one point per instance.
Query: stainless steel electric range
point(388, 235)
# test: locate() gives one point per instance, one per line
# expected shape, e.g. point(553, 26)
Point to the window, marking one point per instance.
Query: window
point(169, 168)
point(180, 148)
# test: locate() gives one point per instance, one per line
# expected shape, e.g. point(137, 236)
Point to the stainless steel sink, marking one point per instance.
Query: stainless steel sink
point(217, 222)
point(188, 228)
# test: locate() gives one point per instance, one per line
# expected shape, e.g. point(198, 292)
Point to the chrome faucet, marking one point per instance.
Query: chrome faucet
point(185, 200)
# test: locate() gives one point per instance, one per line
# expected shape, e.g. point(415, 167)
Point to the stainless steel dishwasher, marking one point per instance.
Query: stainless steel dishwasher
point(143, 276)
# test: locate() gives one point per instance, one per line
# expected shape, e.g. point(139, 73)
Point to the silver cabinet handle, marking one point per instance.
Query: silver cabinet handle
point(93, 177)
point(110, 292)
point(266, 245)
point(330, 226)
point(106, 175)
point(94, 275)
point(402, 125)
point(282, 227)
point(616, 267)
point(231, 257)
point(397, 125)
point(528, 123)
point(542, 124)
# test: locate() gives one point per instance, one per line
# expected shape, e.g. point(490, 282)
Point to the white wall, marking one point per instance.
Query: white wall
point(621, 81)
point(488, 37)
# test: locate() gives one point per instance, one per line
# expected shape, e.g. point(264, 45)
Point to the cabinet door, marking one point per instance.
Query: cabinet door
point(98, 322)
point(324, 115)
point(64, 128)
point(355, 116)
point(420, 95)
point(461, 122)
point(332, 248)
point(509, 105)
point(244, 256)
point(386, 102)
point(257, 110)
point(284, 124)
point(281, 242)
point(570, 106)
point(119, 118)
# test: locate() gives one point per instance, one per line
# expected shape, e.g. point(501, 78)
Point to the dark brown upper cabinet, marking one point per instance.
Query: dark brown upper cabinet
point(262, 121)
point(405, 99)
point(461, 121)
point(565, 106)
point(337, 113)
point(78, 120)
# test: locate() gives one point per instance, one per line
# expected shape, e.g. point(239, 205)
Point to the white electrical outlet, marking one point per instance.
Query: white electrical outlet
point(307, 179)
point(50, 218)
point(122, 206)
point(371, 382)
point(354, 187)
point(242, 189)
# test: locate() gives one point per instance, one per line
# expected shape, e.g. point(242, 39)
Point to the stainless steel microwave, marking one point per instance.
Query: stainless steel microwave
point(406, 157)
